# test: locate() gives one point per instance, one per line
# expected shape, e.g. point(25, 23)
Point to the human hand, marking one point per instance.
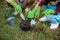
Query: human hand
point(48, 12)
point(8, 1)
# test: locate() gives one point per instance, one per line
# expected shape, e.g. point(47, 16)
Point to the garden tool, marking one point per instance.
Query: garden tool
point(43, 19)
point(33, 22)
point(15, 13)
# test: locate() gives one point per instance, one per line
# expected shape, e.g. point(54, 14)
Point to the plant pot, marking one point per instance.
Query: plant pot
point(25, 25)
point(11, 20)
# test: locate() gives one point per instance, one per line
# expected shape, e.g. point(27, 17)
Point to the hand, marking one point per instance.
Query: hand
point(30, 14)
point(48, 12)
point(39, 0)
point(18, 8)
point(37, 13)
point(8, 0)
point(15, 5)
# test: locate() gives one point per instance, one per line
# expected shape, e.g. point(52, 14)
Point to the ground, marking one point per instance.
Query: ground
point(8, 32)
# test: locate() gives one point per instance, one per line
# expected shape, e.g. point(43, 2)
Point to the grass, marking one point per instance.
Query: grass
point(8, 32)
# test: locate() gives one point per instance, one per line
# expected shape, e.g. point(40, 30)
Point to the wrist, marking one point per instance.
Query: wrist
point(8, 1)
point(12, 3)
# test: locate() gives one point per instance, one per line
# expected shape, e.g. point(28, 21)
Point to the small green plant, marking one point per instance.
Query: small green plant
point(8, 11)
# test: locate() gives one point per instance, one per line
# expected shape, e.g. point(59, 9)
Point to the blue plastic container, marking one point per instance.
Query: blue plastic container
point(11, 20)
point(21, 1)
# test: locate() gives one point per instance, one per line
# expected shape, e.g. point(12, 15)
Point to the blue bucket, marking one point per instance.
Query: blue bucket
point(21, 1)
point(11, 20)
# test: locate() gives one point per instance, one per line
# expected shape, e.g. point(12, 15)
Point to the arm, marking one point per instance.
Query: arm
point(35, 11)
point(58, 8)
point(41, 2)
point(15, 5)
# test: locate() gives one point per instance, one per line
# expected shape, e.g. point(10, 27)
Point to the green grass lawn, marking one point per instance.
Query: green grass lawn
point(8, 32)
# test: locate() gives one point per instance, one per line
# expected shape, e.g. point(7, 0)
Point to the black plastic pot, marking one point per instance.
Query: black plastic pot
point(25, 25)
